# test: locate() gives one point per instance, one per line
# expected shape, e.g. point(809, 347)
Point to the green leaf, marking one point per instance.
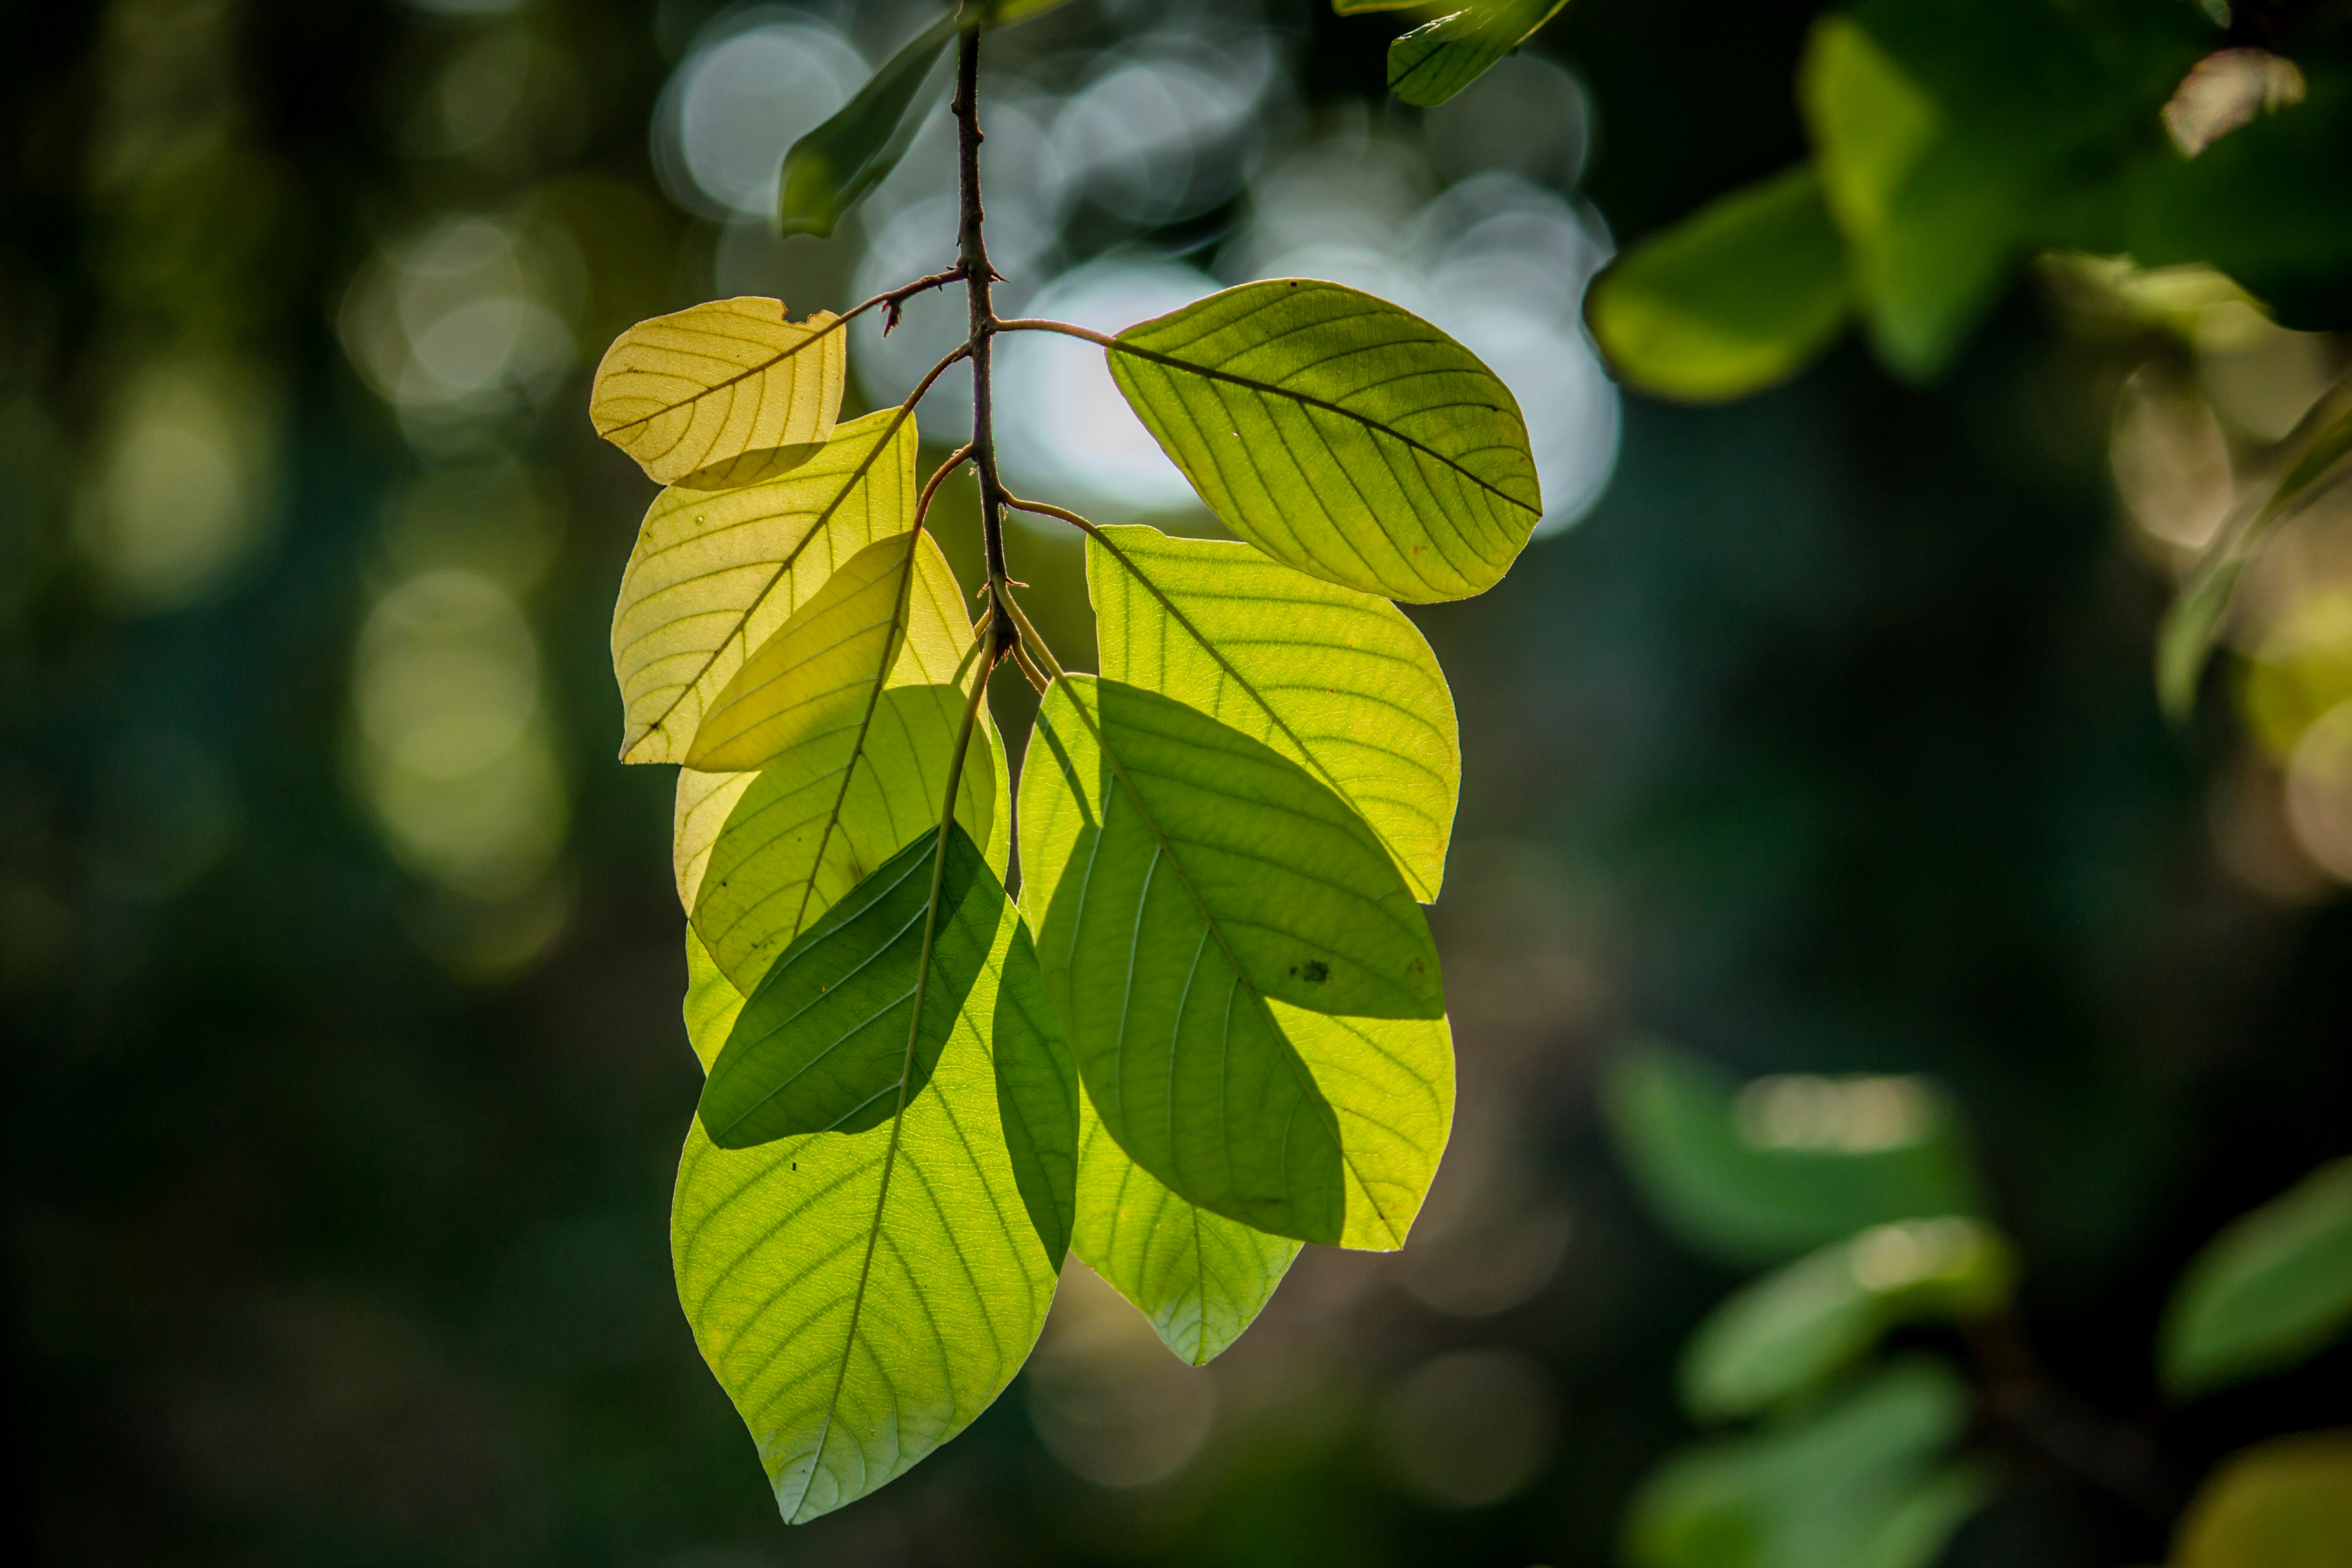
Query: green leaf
point(862, 1296)
point(832, 168)
point(1790, 1163)
point(1431, 63)
point(822, 1043)
point(843, 801)
point(2273, 1289)
point(1003, 13)
point(826, 812)
point(1795, 1330)
point(1194, 894)
point(2321, 444)
point(705, 385)
point(824, 666)
point(1201, 1279)
point(1340, 682)
point(1857, 1484)
point(1744, 293)
point(2286, 1503)
point(1337, 433)
point(717, 571)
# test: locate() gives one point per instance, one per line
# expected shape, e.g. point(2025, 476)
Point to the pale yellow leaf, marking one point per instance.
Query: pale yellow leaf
point(821, 668)
point(683, 392)
point(716, 572)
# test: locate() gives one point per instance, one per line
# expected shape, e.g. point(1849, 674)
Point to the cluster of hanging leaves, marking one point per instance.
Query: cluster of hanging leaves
point(1211, 1028)
point(1954, 141)
point(1858, 1198)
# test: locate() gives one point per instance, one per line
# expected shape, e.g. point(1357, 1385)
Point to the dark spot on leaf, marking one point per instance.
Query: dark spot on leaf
point(1314, 972)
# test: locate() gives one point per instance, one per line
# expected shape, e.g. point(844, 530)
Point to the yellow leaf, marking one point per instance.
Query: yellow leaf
point(2286, 1503)
point(820, 669)
point(716, 572)
point(683, 392)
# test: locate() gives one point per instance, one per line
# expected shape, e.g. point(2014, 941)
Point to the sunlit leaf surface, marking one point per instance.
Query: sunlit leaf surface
point(717, 571)
point(1744, 293)
point(1195, 893)
point(1788, 1164)
point(863, 1297)
point(1857, 1484)
point(823, 1043)
point(829, 171)
point(709, 384)
point(814, 822)
point(1199, 1277)
point(1433, 62)
point(1338, 682)
point(1339, 434)
point(2273, 1289)
point(1793, 1330)
point(823, 667)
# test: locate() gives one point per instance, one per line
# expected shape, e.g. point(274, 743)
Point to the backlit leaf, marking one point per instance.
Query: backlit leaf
point(1194, 893)
point(2286, 1503)
point(822, 666)
point(1338, 682)
point(2322, 445)
point(820, 818)
point(1201, 1279)
point(1788, 1163)
point(832, 168)
point(1339, 434)
point(1742, 294)
point(1793, 1330)
point(711, 383)
point(2273, 1289)
point(862, 1296)
point(1857, 1484)
point(823, 1044)
point(1005, 13)
point(717, 571)
point(1433, 62)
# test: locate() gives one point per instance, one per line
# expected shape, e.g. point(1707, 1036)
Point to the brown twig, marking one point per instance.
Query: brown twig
point(977, 276)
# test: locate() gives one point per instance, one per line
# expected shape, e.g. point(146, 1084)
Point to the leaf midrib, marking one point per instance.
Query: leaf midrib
point(1181, 619)
point(1297, 1068)
point(743, 620)
point(761, 369)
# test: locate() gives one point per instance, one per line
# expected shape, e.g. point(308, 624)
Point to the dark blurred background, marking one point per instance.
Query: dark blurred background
point(342, 962)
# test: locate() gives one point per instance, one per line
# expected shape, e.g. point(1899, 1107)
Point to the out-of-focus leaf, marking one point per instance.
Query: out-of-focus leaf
point(1951, 152)
point(2272, 1289)
point(2260, 205)
point(1433, 62)
point(862, 1296)
point(1857, 1484)
point(2322, 445)
point(829, 171)
point(1742, 294)
point(709, 384)
point(2286, 1503)
point(1201, 1279)
point(717, 571)
point(1003, 13)
point(1338, 682)
point(1339, 434)
point(825, 665)
point(1788, 1163)
point(2226, 90)
point(820, 818)
point(1795, 1330)
point(1194, 893)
